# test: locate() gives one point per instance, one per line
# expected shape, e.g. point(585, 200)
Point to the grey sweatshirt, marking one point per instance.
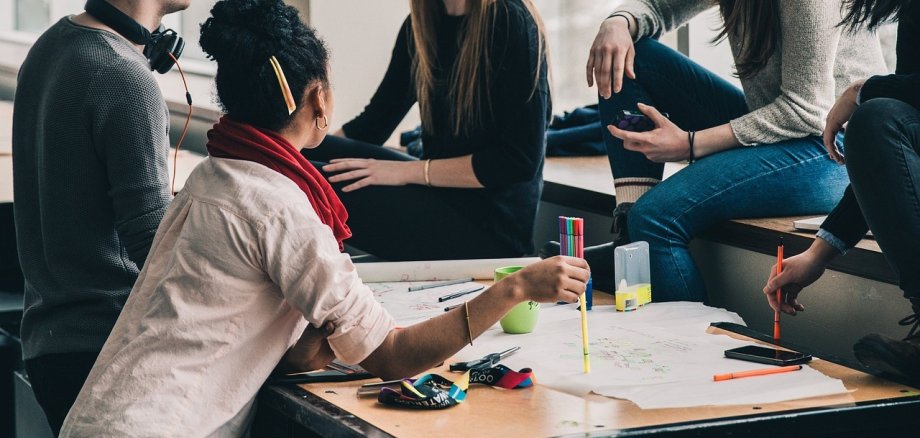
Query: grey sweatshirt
point(90, 144)
point(813, 64)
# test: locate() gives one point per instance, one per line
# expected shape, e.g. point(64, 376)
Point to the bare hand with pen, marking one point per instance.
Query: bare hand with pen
point(799, 272)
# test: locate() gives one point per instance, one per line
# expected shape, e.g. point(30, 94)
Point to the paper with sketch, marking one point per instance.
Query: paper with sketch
point(753, 390)
point(658, 356)
point(481, 269)
point(411, 307)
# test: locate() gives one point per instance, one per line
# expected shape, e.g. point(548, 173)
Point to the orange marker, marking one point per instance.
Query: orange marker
point(752, 373)
point(779, 292)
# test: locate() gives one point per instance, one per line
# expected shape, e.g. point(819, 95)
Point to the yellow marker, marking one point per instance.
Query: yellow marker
point(584, 332)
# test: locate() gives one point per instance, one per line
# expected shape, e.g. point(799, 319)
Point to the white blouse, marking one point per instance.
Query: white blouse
point(239, 265)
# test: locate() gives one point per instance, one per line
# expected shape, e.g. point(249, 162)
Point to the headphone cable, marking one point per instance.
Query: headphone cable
point(188, 118)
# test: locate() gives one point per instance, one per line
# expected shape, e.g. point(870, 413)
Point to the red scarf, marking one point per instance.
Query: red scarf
point(239, 141)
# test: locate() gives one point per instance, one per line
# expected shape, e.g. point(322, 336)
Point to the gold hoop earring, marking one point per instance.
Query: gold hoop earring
point(325, 122)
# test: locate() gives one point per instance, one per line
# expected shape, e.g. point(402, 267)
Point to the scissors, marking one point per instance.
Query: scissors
point(487, 361)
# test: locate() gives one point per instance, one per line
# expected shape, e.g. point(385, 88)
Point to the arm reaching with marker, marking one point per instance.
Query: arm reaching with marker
point(417, 348)
point(406, 352)
point(799, 272)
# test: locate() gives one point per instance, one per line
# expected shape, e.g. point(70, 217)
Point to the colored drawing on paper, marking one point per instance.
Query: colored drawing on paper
point(425, 307)
point(619, 354)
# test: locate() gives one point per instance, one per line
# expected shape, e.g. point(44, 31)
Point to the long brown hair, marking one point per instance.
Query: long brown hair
point(871, 13)
point(756, 23)
point(470, 79)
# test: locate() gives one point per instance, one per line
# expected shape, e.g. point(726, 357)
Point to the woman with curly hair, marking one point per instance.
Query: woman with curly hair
point(247, 259)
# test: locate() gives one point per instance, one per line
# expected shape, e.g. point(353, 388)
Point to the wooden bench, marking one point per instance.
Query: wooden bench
point(585, 183)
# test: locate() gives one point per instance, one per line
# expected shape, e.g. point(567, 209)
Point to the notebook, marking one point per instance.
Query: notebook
point(813, 224)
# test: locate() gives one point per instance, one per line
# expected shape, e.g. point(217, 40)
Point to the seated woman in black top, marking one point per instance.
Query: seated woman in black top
point(882, 147)
point(478, 71)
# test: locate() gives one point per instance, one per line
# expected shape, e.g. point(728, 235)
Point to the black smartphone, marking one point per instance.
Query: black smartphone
point(772, 356)
point(634, 121)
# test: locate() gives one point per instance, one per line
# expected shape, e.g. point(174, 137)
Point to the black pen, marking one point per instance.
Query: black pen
point(460, 294)
point(449, 308)
point(441, 284)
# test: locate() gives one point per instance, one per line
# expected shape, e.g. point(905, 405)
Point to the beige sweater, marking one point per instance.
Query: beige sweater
point(813, 64)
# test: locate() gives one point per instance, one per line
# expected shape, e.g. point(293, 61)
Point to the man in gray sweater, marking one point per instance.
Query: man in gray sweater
point(90, 144)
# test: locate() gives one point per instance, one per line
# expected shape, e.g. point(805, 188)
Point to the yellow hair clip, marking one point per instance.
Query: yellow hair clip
point(282, 82)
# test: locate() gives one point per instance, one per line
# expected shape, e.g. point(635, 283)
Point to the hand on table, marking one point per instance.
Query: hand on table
point(665, 143)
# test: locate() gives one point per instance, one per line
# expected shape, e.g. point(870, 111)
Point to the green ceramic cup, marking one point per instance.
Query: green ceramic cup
point(522, 318)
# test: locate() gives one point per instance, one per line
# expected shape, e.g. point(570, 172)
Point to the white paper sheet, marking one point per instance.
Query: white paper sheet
point(482, 269)
point(411, 307)
point(659, 356)
point(702, 391)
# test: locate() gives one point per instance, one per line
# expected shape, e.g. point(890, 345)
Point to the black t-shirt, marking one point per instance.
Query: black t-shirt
point(508, 149)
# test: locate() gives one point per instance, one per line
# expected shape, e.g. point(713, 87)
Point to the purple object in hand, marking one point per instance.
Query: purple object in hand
point(634, 121)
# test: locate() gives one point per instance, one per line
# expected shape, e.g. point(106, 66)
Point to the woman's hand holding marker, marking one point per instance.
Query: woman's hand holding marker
point(555, 279)
point(799, 272)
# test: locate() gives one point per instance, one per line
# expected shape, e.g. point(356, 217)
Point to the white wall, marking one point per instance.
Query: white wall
point(360, 35)
point(717, 58)
point(571, 26)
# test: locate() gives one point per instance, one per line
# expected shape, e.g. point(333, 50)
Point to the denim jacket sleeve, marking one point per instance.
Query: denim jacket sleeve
point(845, 225)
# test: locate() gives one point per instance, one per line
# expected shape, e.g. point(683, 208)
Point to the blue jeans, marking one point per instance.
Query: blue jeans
point(883, 160)
point(792, 177)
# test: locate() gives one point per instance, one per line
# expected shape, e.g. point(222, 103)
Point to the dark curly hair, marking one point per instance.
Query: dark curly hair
point(241, 35)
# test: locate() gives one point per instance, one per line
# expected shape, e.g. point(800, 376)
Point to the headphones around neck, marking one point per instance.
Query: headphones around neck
point(158, 45)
